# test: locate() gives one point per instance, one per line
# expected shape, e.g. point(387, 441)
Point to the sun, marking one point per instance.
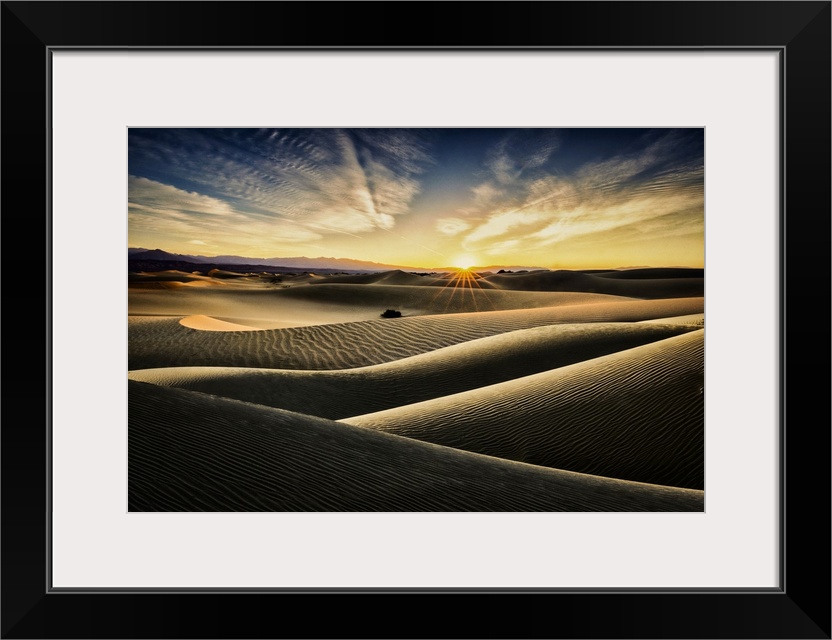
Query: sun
point(464, 262)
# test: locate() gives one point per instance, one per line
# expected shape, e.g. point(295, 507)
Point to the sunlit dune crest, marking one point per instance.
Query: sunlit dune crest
point(637, 414)
point(327, 303)
point(161, 342)
point(477, 363)
point(305, 299)
point(382, 277)
point(193, 452)
point(677, 283)
point(695, 319)
point(334, 301)
point(172, 279)
point(207, 323)
point(165, 285)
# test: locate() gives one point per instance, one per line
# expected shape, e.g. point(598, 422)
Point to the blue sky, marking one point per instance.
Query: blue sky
point(556, 198)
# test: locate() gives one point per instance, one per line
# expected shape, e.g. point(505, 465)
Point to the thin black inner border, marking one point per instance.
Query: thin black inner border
point(782, 577)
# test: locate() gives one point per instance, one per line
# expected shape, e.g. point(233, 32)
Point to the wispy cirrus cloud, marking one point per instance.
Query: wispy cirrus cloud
point(162, 210)
point(502, 223)
point(531, 205)
point(452, 226)
point(311, 181)
point(148, 197)
point(520, 151)
point(514, 194)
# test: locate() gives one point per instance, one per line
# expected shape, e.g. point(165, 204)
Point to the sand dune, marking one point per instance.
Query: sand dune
point(545, 390)
point(695, 319)
point(445, 371)
point(652, 273)
point(450, 281)
point(384, 277)
point(170, 275)
point(231, 299)
point(164, 342)
point(311, 300)
point(302, 305)
point(172, 279)
point(413, 300)
point(222, 273)
point(611, 284)
point(206, 323)
point(194, 452)
point(635, 283)
point(636, 415)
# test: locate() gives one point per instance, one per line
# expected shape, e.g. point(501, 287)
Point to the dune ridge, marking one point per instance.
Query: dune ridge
point(379, 277)
point(655, 273)
point(445, 371)
point(652, 286)
point(189, 451)
point(164, 342)
point(633, 283)
point(207, 323)
point(636, 414)
point(693, 319)
point(359, 301)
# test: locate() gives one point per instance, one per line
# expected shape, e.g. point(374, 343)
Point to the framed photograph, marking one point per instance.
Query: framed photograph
point(472, 312)
point(417, 319)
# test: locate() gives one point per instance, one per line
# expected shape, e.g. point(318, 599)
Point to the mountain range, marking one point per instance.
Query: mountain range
point(136, 254)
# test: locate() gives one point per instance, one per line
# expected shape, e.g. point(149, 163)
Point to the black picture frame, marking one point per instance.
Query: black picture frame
point(799, 608)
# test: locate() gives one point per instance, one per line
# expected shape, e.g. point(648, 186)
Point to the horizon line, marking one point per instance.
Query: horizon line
point(434, 268)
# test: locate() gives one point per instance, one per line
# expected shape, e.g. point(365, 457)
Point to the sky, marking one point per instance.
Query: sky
point(545, 197)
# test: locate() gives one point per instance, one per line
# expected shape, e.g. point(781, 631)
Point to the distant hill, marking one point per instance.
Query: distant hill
point(158, 254)
point(506, 267)
point(136, 254)
point(324, 264)
point(302, 262)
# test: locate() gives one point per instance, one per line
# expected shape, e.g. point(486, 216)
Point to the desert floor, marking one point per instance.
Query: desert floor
point(531, 391)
